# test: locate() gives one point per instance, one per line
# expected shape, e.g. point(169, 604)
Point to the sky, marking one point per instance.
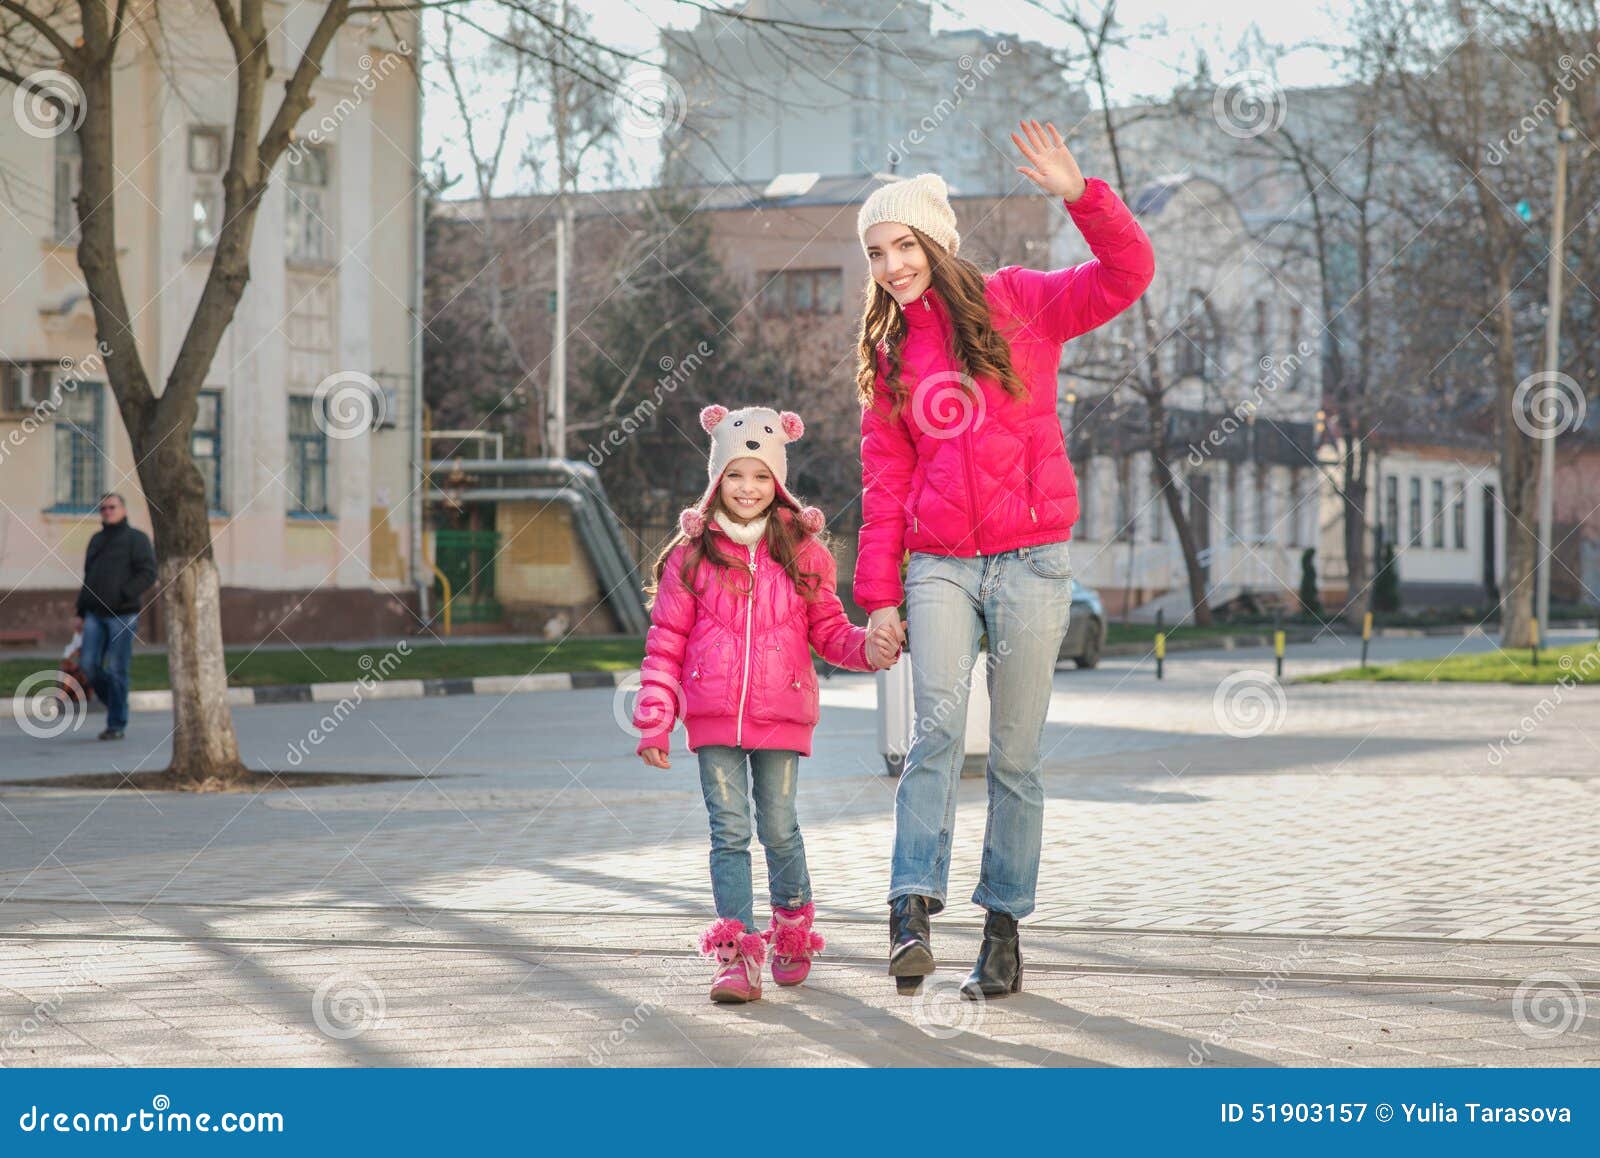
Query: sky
point(1228, 32)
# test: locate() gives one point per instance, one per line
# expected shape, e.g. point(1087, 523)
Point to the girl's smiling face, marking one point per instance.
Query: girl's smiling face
point(898, 261)
point(748, 489)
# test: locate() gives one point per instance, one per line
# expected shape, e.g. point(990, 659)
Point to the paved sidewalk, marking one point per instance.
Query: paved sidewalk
point(1362, 883)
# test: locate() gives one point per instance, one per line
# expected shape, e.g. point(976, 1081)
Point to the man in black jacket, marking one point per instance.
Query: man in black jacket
point(119, 568)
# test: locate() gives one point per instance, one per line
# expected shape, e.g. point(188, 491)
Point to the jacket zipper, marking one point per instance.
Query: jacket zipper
point(966, 459)
point(744, 683)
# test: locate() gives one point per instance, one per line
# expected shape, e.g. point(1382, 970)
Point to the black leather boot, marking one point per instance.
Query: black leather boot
point(910, 947)
point(999, 968)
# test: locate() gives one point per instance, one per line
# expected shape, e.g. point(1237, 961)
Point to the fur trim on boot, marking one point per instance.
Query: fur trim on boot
point(794, 942)
point(739, 957)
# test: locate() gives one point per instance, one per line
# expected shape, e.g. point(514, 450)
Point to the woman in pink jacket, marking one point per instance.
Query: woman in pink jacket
point(742, 595)
point(963, 464)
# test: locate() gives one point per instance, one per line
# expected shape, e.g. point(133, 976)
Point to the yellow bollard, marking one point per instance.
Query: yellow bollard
point(1161, 651)
point(1366, 636)
point(1277, 649)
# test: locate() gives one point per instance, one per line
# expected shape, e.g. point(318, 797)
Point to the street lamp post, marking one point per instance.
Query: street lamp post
point(1552, 362)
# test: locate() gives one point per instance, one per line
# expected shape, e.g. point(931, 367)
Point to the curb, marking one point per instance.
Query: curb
point(1307, 634)
point(161, 701)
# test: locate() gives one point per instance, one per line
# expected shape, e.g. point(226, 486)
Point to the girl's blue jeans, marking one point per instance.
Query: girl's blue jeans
point(731, 779)
point(1022, 599)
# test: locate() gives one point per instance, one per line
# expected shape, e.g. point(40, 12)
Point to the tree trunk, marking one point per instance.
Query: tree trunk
point(1358, 593)
point(1167, 481)
point(205, 750)
point(1519, 485)
point(1518, 481)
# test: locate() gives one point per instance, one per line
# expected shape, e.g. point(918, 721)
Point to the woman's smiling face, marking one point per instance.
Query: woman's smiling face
point(898, 261)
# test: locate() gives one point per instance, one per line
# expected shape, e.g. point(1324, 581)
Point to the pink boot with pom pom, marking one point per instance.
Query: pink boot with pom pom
point(793, 943)
point(739, 956)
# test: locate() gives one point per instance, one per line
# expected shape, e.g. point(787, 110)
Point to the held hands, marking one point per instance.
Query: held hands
point(656, 758)
point(886, 635)
point(1050, 163)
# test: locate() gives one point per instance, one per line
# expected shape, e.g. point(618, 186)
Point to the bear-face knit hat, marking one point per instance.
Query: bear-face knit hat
point(757, 432)
point(923, 202)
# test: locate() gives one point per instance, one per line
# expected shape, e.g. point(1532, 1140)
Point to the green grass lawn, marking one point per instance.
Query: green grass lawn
point(317, 665)
point(1579, 663)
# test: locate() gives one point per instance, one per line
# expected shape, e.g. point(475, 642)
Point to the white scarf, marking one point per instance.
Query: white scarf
point(747, 534)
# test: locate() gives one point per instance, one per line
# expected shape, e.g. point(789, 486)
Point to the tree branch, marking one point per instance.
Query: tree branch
point(69, 54)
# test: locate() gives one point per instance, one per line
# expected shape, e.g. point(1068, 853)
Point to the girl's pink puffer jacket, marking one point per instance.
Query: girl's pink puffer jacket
point(743, 664)
point(953, 476)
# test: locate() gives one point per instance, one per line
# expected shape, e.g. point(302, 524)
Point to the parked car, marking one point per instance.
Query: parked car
point(1086, 634)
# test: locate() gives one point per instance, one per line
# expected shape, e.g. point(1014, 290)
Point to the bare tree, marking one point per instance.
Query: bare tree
point(1100, 33)
point(83, 40)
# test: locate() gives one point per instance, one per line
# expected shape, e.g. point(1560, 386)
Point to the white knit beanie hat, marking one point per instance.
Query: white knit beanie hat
point(923, 202)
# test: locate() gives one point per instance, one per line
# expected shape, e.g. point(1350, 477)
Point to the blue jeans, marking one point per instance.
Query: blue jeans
point(106, 656)
point(774, 775)
point(1022, 599)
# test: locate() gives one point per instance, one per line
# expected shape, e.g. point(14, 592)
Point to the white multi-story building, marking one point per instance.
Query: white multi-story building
point(886, 94)
point(314, 535)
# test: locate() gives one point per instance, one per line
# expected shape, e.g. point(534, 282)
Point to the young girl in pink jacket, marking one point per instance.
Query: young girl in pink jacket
point(743, 593)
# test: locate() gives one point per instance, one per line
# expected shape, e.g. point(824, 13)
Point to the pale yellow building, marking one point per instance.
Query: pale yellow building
point(314, 530)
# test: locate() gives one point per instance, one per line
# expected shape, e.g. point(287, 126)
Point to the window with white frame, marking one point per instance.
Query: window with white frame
point(1458, 516)
point(1391, 509)
point(1436, 524)
point(1414, 510)
point(68, 181)
point(205, 186)
point(309, 214)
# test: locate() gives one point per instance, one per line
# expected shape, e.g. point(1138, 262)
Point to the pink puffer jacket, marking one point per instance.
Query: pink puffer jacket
point(739, 669)
point(955, 475)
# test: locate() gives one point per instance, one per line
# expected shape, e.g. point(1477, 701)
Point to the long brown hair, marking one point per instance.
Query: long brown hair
point(979, 349)
point(785, 539)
